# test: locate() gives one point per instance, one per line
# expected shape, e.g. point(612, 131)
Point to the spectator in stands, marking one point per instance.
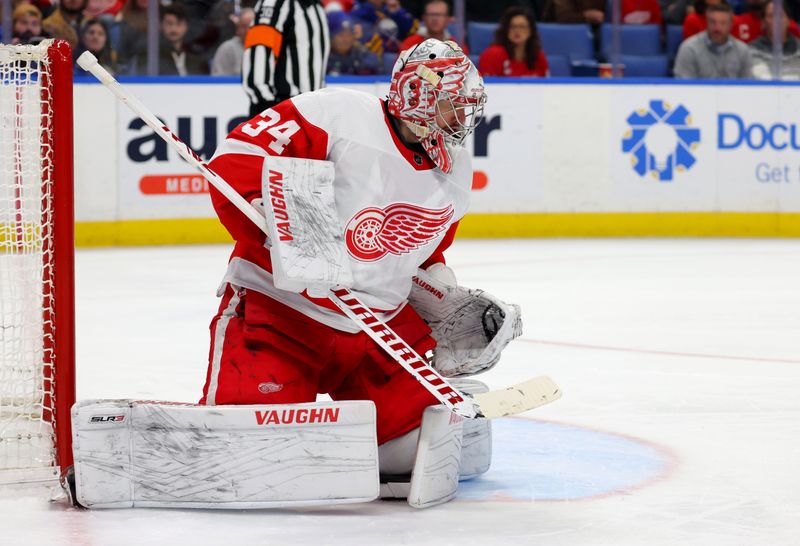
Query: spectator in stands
point(695, 22)
point(65, 21)
point(435, 18)
point(174, 58)
point(338, 5)
point(762, 48)
point(517, 50)
point(94, 38)
point(385, 24)
point(26, 25)
point(575, 11)
point(674, 12)
point(641, 12)
point(47, 7)
point(747, 26)
point(714, 53)
point(132, 21)
point(348, 56)
point(102, 9)
point(211, 22)
point(227, 59)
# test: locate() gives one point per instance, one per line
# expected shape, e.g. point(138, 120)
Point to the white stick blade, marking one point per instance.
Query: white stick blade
point(518, 398)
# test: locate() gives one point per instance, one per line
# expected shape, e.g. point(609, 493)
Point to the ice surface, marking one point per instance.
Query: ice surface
point(680, 421)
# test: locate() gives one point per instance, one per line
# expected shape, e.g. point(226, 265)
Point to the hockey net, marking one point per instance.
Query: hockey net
point(36, 262)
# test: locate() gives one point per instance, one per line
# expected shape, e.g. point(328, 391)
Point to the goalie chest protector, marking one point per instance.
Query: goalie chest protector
point(394, 206)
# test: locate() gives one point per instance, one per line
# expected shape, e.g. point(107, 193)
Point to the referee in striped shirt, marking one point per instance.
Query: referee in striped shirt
point(285, 51)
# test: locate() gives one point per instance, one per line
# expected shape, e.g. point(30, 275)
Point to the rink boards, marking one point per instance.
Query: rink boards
point(555, 158)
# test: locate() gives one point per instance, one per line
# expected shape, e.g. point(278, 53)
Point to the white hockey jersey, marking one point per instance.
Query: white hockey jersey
point(397, 210)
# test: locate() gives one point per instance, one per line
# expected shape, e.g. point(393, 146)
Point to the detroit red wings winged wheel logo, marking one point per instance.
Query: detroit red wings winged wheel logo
point(372, 233)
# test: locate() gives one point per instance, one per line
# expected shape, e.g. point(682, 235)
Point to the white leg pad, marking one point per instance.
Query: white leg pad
point(140, 454)
point(434, 479)
point(476, 449)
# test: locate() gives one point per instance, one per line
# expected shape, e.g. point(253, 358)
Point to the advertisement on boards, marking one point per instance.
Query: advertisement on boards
point(705, 148)
point(540, 148)
point(662, 150)
point(154, 182)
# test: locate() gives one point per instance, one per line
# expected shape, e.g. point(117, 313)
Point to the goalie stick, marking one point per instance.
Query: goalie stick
point(518, 398)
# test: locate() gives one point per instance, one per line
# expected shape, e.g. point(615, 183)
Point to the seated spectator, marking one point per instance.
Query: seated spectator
point(338, 5)
point(132, 21)
point(211, 22)
point(65, 21)
point(385, 24)
point(47, 7)
point(575, 11)
point(102, 9)
point(94, 38)
point(695, 22)
point(26, 25)
point(714, 53)
point(174, 58)
point(762, 48)
point(747, 26)
point(641, 12)
point(516, 50)
point(227, 59)
point(675, 11)
point(348, 56)
point(435, 19)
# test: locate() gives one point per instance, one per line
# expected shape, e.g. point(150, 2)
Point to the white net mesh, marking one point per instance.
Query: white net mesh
point(26, 325)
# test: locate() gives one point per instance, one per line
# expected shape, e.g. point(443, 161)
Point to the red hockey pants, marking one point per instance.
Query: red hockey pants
point(263, 352)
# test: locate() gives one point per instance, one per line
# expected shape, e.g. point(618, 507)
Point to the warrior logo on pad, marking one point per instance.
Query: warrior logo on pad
point(397, 229)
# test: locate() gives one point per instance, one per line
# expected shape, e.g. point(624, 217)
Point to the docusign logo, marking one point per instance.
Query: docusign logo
point(736, 132)
point(661, 140)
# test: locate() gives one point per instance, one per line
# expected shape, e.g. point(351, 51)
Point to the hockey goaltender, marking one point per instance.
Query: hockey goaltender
point(342, 291)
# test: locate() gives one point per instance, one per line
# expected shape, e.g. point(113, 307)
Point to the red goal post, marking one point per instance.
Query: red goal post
point(37, 326)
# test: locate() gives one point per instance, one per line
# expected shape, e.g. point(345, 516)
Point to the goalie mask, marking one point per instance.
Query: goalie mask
point(438, 93)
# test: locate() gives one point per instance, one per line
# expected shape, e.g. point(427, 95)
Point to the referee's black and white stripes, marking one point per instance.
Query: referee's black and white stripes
point(286, 51)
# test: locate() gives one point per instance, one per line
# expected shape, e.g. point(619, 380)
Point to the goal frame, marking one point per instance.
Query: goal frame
point(60, 55)
point(58, 296)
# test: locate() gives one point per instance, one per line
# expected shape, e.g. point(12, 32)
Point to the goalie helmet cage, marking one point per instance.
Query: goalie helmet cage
point(37, 340)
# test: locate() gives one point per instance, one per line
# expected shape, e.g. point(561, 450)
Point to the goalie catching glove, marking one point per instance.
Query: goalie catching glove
point(471, 327)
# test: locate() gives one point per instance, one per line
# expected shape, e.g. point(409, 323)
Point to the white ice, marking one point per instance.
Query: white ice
point(685, 350)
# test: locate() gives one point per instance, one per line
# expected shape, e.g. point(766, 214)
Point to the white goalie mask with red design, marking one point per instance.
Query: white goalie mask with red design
point(438, 93)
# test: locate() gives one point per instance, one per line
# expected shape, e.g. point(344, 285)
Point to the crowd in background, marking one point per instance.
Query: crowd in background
point(198, 37)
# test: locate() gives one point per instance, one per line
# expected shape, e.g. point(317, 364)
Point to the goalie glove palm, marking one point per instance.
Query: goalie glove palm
point(471, 327)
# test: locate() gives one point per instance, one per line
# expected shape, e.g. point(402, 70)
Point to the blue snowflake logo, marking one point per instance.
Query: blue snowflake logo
point(661, 140)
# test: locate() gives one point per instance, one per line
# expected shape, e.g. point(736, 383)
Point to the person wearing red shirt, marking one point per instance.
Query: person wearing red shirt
point(435, 19)
point(517, 50)
point(641, 12)
point(748, 26)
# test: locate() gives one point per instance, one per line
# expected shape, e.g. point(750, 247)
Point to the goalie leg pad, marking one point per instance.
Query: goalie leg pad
point(136, 454)
point(398, 456)
point(476, 449)
point(434, 478)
